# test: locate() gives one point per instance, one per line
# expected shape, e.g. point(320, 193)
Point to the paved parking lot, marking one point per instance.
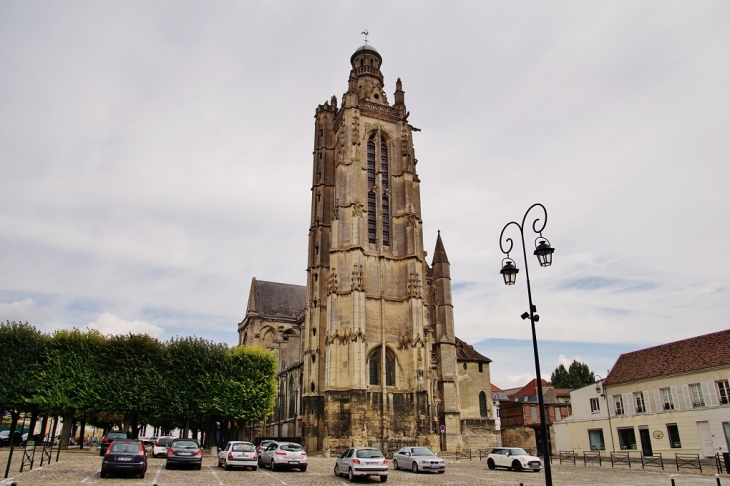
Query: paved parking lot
point(82, 467)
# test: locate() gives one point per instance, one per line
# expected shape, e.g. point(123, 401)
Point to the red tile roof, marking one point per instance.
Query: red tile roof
point(697, 353)
point(495, 388)
point(530, 389)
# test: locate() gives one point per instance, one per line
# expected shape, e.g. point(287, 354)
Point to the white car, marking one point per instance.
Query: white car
point(358, 462)
point(238, 454)
point(513, 458)
point(284, 455)
point(159, 449)
point(418, 459)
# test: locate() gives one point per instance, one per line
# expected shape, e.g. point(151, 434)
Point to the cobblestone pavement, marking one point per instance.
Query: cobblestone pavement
point(82, 467)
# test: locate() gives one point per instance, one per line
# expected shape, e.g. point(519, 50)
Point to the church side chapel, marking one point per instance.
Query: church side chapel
point(367, 350)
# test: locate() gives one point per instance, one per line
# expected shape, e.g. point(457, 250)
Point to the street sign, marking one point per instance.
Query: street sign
point(443, 429)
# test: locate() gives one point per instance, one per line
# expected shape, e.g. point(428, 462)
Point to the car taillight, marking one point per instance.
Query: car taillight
point(280, 453)
point(255, 456)
point(157, 443)
point(304, 453)
point(170, 451)
point(199, 452)
point(141, 449)
point(230, 455)
point(105, 440)
point(385, 461)
point(356, 461)
point(107, 452)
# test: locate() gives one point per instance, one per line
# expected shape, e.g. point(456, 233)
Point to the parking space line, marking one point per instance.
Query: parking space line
point(89, 476)
point(215, 475)
point(157, 475)
point(272, 477)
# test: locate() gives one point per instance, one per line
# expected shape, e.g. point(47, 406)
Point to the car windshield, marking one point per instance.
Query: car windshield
point(422, 451)
point(116, 435)
point(125, 447)
point(517, 452)
point(290, 447)
point(243, 447)
point(185, 444)
point(369, 453)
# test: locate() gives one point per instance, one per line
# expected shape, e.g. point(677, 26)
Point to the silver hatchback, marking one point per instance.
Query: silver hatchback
point(358, 462)
point(283, 455)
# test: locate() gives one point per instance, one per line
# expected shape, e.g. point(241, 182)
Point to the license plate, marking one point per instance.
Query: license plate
point(293, 462)
point(186, 453)
point(125, 458)
point(371, 463)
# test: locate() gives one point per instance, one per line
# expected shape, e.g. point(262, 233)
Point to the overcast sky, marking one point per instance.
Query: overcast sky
point(156, 156)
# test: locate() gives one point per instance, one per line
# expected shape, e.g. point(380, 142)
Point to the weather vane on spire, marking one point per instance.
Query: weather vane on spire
point(365, 32)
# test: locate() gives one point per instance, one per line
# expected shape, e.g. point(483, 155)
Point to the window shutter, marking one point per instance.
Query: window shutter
point(647, 401)
point(658, 400)
point(675, 398)
point(629, 404)
point(687, 397)
point(611, 407)
point(708, 389)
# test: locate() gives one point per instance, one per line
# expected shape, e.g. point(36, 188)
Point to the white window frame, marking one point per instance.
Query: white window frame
point(667, 399)
point(618, 405)
point(595, 405)
point(639, 402)
point(723, 391)
point(697, 398)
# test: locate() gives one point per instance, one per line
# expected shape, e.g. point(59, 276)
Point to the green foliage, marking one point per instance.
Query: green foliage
point(576, 376)
point(23, 346)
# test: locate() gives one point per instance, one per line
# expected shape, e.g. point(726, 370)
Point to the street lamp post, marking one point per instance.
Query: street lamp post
point(602, 390)
point(544, 253)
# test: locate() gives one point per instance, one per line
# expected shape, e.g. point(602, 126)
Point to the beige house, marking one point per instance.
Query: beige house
point(672, 398)
point(367, 348)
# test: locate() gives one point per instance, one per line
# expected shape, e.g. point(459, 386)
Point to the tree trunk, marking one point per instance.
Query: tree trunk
point(68, 422)
point(33, 420)
point(82, 434)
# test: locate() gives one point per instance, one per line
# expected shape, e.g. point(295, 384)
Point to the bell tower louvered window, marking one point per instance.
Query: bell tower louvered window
point(386, 221)
point(371, 162)
point(384, 163)
point(372, 224)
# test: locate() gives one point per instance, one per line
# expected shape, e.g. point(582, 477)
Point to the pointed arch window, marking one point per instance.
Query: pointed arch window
point(375, 365)
point(292, 398)
point(482, 404)
point(384, 163)
point(371, 162)
point(372, 222)
point(386, 221)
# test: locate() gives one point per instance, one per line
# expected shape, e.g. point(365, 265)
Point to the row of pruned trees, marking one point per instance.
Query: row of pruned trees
point(129, 380)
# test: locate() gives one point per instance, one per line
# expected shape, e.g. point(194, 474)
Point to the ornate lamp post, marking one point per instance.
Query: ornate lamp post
point(544, 253)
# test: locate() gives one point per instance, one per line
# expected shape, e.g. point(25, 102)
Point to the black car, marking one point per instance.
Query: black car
point(124, 456)
point(109, 438)
point(5, 438)
point(183, 452)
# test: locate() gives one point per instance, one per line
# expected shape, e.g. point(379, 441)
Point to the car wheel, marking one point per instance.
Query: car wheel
point(516, 466)
point(273, 465)
point(350, 476)
point(228, 467)
point(337, 471)
point(414, 467)
point(168, 465)
point(141, 475)
point(261, 464)
point(199, 467)
point(383, 479)
point(303, 468)
point(253, 468)
point(102, 474)
point(490, 463)
point(441, 472)
point(395, 464)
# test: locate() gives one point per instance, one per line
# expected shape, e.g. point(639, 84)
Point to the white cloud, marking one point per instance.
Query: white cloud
point(562, 360)
point(110, 324)
point(26, 310)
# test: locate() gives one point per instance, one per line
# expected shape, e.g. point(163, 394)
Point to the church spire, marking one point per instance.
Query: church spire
point(439, 254)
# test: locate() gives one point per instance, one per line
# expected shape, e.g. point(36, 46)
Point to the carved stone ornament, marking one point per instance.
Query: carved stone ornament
point(407, 341)
point(345, 336)
point(414, 285)
point(357, 210)
point(356, 279)
point(355, 127)
point(336, 210)
point(332, 282)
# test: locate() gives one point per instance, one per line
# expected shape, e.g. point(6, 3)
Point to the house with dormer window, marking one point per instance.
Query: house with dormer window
point(667, 399)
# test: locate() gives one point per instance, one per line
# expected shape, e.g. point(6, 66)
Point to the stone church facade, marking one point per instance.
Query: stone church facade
point(367, 349)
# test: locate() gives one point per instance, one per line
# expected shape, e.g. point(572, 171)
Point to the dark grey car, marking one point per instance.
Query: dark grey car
point(184, 452)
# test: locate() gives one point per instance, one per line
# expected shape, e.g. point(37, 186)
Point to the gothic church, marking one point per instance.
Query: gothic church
point(367, 349)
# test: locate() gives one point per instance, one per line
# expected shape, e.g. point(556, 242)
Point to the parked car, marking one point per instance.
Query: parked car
point(238, 454)
point(184, 452)
point(124, 456)
point(110, 437)
point(358, 462)
point(513, 458)
point(418, 459)
point(280, 455)
point(5, 438)
point(263, 445)
point(161, 446)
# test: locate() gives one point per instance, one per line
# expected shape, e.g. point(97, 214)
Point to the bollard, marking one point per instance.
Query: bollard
point(671, 478)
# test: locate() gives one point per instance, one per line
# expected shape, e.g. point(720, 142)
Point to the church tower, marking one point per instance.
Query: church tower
point(370, 345)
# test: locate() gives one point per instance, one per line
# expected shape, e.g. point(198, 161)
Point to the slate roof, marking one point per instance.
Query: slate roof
point(277, 300)
point(530, 389)
point(439, 254)
point(466, 352)
point(693, 354)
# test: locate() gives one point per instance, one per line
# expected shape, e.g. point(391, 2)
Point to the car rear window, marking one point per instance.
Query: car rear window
point(290, 447)
point(369, 453)
point(185, 444)
point(243, 447)
point(116, 435)
point(125, 447)
point(165, 441)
